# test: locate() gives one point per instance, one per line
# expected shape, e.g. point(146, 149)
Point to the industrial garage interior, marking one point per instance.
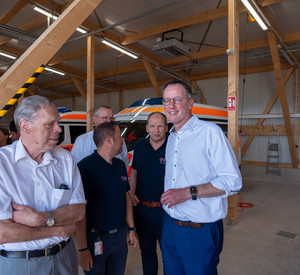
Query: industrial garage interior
point(225, 55)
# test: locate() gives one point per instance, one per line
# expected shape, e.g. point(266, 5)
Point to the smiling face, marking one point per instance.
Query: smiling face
point(180, 113)
point(157, 128)
point(41, 134)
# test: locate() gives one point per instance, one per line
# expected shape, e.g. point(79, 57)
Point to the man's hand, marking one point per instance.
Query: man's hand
point(132, 239)
point(64, 231)
point(25, 215)
point(135, 200)
point(85, 260)
point(175, 196)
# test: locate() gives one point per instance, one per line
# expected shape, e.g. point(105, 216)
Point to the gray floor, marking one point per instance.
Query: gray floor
point(266, 239)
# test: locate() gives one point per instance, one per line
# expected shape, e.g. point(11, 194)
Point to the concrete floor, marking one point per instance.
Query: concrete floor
point(266, 238)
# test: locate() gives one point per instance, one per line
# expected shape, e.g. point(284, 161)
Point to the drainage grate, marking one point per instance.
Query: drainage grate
point(286, 234)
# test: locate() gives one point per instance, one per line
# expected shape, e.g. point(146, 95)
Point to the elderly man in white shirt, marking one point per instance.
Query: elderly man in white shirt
point(201, 171)
point(84, 144)
point(41, 196)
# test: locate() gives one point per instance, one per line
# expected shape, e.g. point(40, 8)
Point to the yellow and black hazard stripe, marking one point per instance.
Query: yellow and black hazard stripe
point(22, 90)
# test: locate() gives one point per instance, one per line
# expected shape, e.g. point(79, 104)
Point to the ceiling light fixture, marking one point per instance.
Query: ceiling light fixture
point(118, 48)
point(7, 55)
point(54, 17)
point(54, 71)
point(256, 13)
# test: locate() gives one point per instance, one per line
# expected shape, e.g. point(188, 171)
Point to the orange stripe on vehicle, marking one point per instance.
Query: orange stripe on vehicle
point(148, 109)
point(78, 116)
point(207, 111)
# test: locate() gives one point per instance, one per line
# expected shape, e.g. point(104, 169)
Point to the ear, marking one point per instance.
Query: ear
point(147, 129)
point(109, 140)
point(24, 126)
point(191, 103)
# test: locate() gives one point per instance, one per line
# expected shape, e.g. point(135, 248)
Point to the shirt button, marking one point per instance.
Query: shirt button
point(176, 151)
point(173, 179)
point(39, 201)
point(174, 165)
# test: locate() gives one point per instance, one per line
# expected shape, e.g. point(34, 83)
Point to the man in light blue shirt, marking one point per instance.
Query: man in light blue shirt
point(201, 171)
point(84, 144)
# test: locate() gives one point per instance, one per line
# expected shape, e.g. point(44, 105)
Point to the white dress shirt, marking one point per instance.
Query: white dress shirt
point(84, 146)
point(24, 181)
point(197, 154)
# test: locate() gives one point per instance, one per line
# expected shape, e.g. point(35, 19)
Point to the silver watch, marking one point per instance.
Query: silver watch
point(50, 222)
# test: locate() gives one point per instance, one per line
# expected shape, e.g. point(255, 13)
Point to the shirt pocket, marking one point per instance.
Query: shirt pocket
point(60, 198)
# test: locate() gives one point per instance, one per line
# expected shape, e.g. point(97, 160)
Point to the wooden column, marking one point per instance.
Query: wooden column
point(233, 91)
point(90, 83)
point(282, 95)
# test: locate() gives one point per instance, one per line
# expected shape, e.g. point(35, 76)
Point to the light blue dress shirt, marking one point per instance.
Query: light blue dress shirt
point(197, 154)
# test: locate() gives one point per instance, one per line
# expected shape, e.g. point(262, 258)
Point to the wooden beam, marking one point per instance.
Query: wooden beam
point(233, 92)
point(75, 54)
point(79, 87)
point(261, 163)
point(152, 77)
point(90, 82)
point(267, 110)
point(282, 94)
point(185, 22)
point(13, 11)
point(44, 48)
point(262, 130)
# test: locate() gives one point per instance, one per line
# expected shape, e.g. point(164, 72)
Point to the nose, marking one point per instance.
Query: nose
point(57, 128)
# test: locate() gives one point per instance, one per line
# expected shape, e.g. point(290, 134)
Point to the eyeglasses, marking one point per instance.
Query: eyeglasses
point(106, 118)
point(176, 100)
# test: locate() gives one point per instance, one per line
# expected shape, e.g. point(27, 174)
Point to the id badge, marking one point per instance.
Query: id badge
point(98, 247)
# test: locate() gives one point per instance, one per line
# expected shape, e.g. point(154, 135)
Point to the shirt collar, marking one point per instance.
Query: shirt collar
point(188, 126)
point(22, 153)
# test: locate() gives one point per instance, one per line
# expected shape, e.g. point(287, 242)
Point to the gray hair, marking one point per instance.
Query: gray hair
point(187, 87)
point(101, 106)
point(28, 108)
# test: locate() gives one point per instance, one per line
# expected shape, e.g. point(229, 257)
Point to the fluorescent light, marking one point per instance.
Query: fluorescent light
point(81, 30)
point(54, 17)
point(45, 13)
point(255, 14)
point(8, 55)
point(54, 71)
point(118, 48)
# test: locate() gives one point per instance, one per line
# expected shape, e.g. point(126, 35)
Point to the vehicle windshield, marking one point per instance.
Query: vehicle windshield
point(132, 132)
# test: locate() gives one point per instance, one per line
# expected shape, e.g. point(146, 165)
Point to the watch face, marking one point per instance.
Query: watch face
point(50, 222)
point(193, 190)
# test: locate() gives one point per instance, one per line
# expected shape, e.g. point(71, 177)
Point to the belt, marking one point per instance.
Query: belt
point(188, 224)
point(48, 251)
point(151, 203)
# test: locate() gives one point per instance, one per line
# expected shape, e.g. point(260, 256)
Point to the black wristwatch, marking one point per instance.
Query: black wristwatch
point(193, 192)
point(131, 228)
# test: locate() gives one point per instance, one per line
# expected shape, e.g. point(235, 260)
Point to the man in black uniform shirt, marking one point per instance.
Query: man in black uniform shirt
point(102, 246)
point(146, 187)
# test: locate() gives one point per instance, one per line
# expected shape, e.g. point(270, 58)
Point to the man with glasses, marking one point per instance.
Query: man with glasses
point(84, 144)
point(201, 171)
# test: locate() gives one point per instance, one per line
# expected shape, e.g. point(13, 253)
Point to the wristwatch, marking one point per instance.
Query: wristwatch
point(131, 228)
point(193, 192)
point(50, 222)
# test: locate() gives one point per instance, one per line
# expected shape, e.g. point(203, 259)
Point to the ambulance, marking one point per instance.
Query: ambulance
point(132, 121)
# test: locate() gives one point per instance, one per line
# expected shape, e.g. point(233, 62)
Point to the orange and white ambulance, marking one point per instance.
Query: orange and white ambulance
point(132, 121)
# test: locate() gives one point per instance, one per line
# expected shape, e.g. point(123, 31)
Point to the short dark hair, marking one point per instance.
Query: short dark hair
point(187, 87)
point(104, 130)
point(6, 133)
point(12, 127)
point(157, 113)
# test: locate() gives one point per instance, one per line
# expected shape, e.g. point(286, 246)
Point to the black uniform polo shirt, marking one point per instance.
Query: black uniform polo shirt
point(105, 186)
point(150, 166)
